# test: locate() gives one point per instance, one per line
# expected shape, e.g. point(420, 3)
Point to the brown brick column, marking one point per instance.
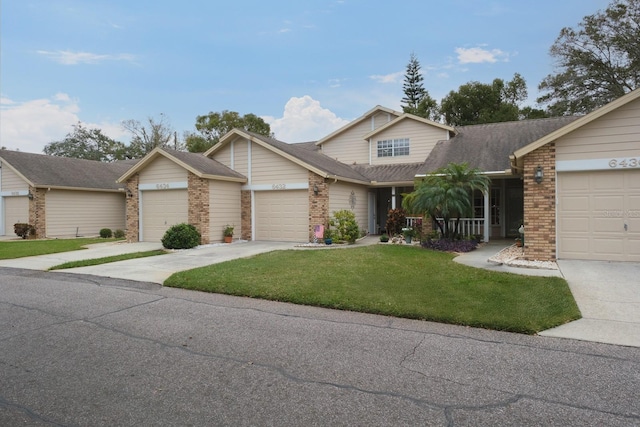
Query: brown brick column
point(318, 204)
point(245, 215)
point(540, 205)
point(133, 209)
point(198, 199)
point(37, 211)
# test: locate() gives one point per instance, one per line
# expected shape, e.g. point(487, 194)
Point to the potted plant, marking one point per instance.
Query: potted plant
point(518, 242)
point(228, 233)
point(328, 236)
point(408, 233)
point(384, 238)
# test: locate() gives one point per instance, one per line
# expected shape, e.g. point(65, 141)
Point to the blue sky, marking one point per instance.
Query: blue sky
point(306, 67)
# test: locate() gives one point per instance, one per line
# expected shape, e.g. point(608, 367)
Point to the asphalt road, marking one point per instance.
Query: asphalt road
point(89, 351)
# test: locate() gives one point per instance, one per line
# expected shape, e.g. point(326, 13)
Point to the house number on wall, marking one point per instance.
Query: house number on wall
point(624, 163)
point(162, 186)
point(279, 187)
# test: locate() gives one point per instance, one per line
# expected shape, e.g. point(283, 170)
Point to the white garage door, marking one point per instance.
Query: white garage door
point(599, 215)
point(16, 209)
point(161, 210)
point(282, 215)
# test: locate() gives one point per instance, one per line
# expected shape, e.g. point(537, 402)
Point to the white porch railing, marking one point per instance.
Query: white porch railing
point(412, 221)
point(468, 226)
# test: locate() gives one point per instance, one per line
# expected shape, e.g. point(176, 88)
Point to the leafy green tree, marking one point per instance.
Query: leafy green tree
point(156, 133)
point(597, 63)
point(447, 194)
point(416, 99)
point(213, 126)
point(88, 144)
point(477, 103)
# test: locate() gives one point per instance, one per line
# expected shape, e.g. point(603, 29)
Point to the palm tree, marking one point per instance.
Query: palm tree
point(447, 193)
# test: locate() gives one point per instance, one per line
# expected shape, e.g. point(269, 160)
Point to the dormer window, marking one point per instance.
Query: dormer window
point(393, 147)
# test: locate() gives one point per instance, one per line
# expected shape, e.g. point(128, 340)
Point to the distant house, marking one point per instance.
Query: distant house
point(60, 197)
point(573, 182)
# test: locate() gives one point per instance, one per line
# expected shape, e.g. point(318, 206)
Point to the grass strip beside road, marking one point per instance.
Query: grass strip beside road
point(399, 281)
point(24, 248)
point(106, 260)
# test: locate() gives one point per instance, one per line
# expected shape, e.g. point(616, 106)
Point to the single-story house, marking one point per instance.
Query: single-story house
point(60, 197)
point(574, 182)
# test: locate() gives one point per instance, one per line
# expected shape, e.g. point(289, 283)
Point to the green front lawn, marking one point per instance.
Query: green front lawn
point(393, 280)
point(23, 248)
point(108, 259)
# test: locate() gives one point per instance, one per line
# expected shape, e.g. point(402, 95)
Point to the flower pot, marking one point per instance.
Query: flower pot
point(328, 241)
point(228, 239)
point(407, 239)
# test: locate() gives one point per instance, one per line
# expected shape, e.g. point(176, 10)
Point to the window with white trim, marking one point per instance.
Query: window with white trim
point(393, 147)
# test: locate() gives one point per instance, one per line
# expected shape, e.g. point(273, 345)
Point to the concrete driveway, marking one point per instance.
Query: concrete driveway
point(151, 269)
point(608, 295)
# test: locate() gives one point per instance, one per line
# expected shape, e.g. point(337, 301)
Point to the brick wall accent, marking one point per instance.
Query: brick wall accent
point(37, 211)
point(540, 205)
point(133, 210)
point(198, 213)
point(318, 204)
point(245, 215)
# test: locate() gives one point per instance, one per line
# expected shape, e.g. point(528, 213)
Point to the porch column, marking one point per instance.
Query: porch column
point(393, 197)
point(487, 215)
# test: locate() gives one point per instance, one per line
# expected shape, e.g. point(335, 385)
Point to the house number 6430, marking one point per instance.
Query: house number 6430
point(279, 187)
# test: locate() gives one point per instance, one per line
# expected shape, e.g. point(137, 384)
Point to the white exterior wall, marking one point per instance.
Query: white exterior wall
point(340, 198)
point(161, 171)
point(350, 146)
point(422, 139)
point(224, 208)
point(613, 136)
point(83, 212)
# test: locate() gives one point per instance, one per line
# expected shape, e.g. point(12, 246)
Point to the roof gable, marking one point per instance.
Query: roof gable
point(301, 154)
point(577, 124)
point(407, 116)
point(196, 163)
point(365, 116)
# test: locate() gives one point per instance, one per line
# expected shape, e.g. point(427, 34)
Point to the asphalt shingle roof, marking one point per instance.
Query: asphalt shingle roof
point(390, 173)
point(203, 164)
point(488, 146)
point(314, 158)
point(44, 170)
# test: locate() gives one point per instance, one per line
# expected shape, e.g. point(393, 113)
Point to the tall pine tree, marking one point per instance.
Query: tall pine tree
point(416, 99)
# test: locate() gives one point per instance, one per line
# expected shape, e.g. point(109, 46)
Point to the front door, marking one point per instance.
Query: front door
point(514, 207)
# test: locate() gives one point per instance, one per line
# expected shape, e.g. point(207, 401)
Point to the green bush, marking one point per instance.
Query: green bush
point(24, 230)
point(345, 226)
point(181, 236)
point(396, 221)
point(106, 233)
point(118, 234)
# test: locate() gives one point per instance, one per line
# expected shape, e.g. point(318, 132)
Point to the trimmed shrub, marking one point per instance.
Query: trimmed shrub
point(118, 234)
point(181, 236)
point(106, 233)
point(345, 226)
point(24, 230)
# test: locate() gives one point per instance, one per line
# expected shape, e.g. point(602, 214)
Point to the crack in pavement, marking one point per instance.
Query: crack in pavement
point(5, 404)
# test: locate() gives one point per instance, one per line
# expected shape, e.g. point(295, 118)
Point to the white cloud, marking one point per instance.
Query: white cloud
point(477, 55)
point(388, 78)
point(29, 126)
point(304, 120)
point(67, 57)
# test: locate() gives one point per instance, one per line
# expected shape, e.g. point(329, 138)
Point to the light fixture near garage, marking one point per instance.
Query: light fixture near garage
point(315, 189)
point(30, 195)
point(538, 175)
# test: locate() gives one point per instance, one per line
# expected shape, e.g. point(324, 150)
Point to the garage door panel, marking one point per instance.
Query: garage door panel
point(16, 209)
point(161, 210)
point(593, 208)
point(282, 215)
